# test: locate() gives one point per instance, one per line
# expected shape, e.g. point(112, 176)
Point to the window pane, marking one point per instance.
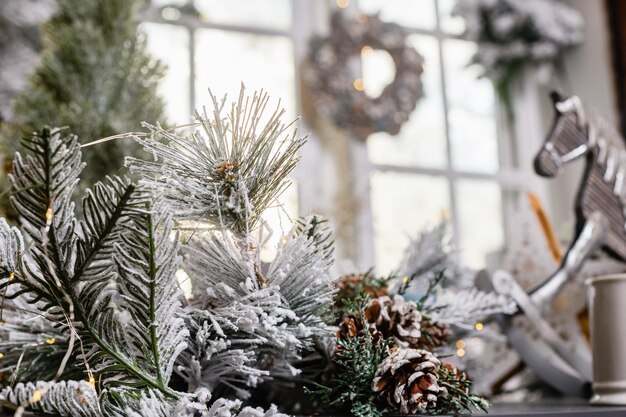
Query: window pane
point(479, 214)
point(454, 25)
point(411, 13)
point(422, 140)
point(224, 60)
point(275, 14)
point(170, 44)
point(402, 205)
point(471, 111)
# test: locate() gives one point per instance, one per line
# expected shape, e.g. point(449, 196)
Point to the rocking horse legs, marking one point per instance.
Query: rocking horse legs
point(567, 369)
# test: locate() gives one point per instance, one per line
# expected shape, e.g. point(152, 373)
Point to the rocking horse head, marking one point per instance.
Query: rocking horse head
point(602, 191)
point(568, 137)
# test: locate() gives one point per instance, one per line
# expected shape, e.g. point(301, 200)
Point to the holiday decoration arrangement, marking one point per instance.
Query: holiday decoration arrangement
point(336, 89)
point(94, 322)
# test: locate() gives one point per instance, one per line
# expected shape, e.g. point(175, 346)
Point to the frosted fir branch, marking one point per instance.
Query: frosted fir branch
point(64, 398)
point(69, 270)
point(229, 171)
point(32, 346)
point(147, 260)
point(199, 404)
point(248, 319)
point(301, 272)
point(466, 307)
point(213, 358)
point(426, 257)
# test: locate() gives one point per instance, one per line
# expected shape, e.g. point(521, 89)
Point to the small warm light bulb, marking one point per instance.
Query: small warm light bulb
point(36, 396)
point(11, 275)
point(460, 344)
point(92, 381)
point(460, 353)
point(405, 280)
point(343, 3)
point(51, 341)
point(358, 84)
point(479, 326)
point(1, 355)
point(49, 214)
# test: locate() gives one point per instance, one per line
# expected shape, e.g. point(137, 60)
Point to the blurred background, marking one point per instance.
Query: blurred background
point(464, 154)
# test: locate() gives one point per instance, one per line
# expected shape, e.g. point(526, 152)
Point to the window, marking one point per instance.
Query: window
point(447, 162)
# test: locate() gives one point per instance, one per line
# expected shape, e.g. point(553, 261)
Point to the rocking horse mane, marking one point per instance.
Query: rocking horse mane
point(601, 135)
point(603, 187)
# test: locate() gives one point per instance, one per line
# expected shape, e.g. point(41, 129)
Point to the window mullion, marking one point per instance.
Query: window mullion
point(451, 178)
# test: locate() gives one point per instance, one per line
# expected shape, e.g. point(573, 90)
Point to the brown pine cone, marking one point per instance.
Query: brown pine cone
point(434, 334)
point(407, 380)
point(395, 317)
point(459, 378)
point(349, 287)
point(352, 326)
point(349, 327)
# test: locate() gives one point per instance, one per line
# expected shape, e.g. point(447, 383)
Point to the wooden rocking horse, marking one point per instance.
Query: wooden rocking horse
point(600, 223)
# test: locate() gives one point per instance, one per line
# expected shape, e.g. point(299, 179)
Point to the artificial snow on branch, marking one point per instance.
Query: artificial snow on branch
point(425, 258)
point(227, 172)
point(466, 307)
point(63, 398)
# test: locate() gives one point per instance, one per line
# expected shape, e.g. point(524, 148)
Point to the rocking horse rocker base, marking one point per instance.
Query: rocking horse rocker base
point(601, 220)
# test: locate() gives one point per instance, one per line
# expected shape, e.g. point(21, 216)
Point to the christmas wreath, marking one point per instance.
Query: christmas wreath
point(338, 95)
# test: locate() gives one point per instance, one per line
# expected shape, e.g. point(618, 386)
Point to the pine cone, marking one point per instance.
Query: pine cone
point(407, 380)
point(457, 377)
point(434, 334)
point(396, 318)
point(349, 327)
point(352, 326)
point(349, 286)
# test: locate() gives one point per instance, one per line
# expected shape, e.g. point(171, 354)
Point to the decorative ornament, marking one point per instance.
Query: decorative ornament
point(514, 33)
point(338, 94)
point(407, 380)
point(396, 317)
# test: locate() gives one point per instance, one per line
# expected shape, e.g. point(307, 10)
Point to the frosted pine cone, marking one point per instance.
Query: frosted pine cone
point(434, 334)
point(407, 380)
point(395, 317)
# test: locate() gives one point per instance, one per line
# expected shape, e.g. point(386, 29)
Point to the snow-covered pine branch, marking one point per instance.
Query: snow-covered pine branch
point(153, 319)
point(301, 272)
point(425, 258)
point(466, 307)
point(228, 171)
point(64, 398)
point(69, 270)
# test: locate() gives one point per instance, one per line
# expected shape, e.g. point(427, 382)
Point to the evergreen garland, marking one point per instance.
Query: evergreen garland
point(94, 323)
